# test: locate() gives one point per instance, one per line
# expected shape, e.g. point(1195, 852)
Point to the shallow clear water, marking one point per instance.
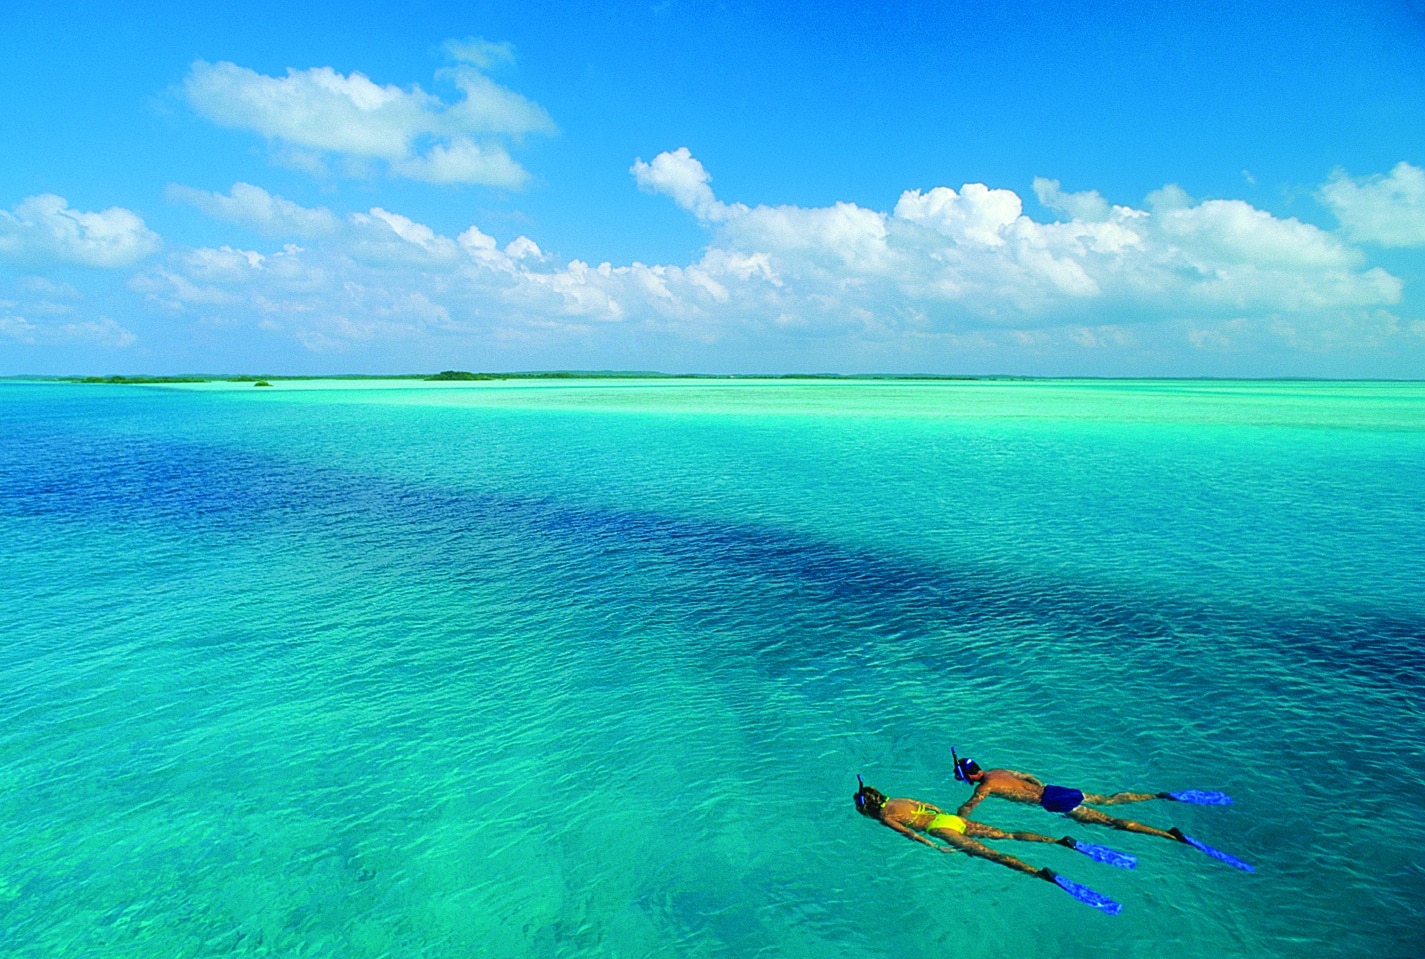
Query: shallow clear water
point(589, 668)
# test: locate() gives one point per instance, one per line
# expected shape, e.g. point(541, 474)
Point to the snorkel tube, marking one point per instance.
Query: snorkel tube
point(869, 800)
point(964, 768)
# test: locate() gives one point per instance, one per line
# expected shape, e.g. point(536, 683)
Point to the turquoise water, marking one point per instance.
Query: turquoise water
point(589, 668)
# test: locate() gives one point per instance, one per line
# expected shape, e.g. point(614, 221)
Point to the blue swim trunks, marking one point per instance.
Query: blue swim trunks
point(1060, 798)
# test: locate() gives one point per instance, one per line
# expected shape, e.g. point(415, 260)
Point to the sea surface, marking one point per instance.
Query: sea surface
point(589, 667)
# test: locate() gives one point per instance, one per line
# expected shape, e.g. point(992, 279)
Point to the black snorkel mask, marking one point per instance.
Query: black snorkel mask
point(868, 800)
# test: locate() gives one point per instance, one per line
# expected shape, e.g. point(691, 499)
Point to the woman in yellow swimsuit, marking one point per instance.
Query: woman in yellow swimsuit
point(912, 818)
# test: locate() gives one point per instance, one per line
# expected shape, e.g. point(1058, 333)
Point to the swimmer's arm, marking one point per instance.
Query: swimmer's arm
point(909, 834)
point(981, 791)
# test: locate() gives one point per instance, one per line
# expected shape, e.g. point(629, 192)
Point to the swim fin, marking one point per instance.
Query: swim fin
point(1103, 854)
point(1218, 854)
point(1199, 797)
point(1087, 896)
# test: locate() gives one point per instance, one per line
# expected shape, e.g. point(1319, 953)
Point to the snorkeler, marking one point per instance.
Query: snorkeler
point(913, 818)
point(1024, 788)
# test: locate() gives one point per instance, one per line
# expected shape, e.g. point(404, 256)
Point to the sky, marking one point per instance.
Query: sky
point(1051, 189)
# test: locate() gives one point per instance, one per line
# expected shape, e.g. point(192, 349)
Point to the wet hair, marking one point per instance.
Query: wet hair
point(869, 800)
point(965, 769)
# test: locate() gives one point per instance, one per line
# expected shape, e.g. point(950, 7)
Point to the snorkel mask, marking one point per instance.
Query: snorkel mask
point(964, 768)
point(868, 799)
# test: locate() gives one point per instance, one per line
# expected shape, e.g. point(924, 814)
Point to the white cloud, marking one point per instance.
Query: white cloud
point(317, 112)
point(679, 175)
point(253, 206)
point(1219, 232)
point(43, 228)
point(463, 161)
point(489, 108)
point(384, 237)
point(975, 215)
point(945, 269)
point(972, 255)
point(1386, 209)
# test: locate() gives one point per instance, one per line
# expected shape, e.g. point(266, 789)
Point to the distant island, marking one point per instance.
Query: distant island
point(457, 376)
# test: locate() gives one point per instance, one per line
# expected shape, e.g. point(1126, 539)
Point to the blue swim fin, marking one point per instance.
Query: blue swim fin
point(1199, 797)
point(1103, 854)
point(1219, 854)
point(1086, 895)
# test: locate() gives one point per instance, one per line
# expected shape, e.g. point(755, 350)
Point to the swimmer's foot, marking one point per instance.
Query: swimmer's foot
point(1177, 834)
point(1083, 894)
point(1217, 854)
point(1105, 855)
point(1199, 797)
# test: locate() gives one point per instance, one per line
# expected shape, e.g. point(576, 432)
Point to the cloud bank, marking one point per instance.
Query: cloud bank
point(973, 257)
point(318, 114)
point(944, 271)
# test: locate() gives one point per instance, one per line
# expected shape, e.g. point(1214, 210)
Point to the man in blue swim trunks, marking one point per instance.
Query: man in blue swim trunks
point(1024, 788)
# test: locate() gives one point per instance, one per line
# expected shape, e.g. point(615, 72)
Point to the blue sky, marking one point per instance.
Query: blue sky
point(1049, 189)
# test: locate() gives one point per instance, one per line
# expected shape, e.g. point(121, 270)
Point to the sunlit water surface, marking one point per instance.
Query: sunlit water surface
point(589, 668)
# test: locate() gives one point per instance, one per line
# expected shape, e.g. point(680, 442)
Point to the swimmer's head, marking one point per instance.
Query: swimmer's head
point(869, 800)
point(966, 770)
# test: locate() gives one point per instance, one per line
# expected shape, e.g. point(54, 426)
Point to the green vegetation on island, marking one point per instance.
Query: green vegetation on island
point(447, 376)
point(462, 375)
point(141, 379)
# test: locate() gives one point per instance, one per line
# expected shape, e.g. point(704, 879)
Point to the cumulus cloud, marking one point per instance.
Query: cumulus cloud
point(1387, 209)
point(43, 228)
point(315, 113)
point(253, 206)
point(976, 214)
point(678, 174)
point(945, 269)
point(972, 255)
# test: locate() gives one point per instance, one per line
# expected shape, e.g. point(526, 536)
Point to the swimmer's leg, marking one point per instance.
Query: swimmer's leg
point(1086, 815)
point(974, 847)
point(1117, 798)
point(1097, 853)
point(979, 830)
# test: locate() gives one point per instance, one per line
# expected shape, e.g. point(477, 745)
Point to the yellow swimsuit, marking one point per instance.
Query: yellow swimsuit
point(941, 821)
point(946, 821)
